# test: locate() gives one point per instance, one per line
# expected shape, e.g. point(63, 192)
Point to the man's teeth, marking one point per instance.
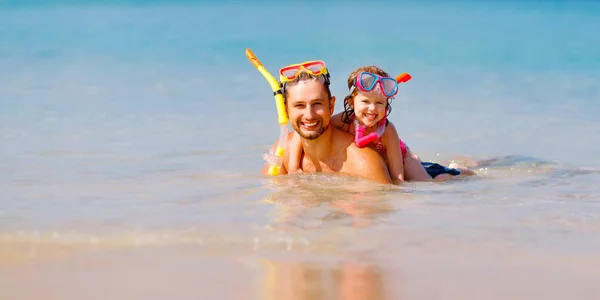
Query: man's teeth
point(310, 124)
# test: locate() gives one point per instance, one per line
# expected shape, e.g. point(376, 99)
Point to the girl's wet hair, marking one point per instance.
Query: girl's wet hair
point(348, 112)
point(304, 76)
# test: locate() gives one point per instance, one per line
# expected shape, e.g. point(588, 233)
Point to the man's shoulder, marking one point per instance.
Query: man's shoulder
point(366, 162)
point(342, 136)
point(346, 140)
point(365, 152)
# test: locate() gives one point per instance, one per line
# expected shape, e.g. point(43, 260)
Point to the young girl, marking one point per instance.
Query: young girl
point(365, 116)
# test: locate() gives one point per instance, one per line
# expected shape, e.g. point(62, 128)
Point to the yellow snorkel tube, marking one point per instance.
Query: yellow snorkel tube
point(274, 159)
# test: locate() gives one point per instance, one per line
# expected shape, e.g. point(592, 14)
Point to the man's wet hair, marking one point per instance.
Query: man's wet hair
point(305, 76)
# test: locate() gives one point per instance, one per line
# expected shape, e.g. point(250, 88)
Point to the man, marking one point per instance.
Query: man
point(309, 106)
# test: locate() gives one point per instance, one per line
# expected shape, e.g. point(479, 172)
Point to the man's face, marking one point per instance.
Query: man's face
point(308, 108)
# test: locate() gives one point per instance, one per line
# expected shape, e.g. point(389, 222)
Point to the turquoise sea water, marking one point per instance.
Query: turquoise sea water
point(131, 132)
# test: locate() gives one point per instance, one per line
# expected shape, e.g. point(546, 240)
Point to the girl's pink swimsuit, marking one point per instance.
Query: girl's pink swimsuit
point(379, 143)
point(433, 169)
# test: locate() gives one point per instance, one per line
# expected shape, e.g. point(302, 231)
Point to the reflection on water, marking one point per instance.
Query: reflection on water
point(315, 237)
point(313, 201)
point(312, 236)
point(315, 281)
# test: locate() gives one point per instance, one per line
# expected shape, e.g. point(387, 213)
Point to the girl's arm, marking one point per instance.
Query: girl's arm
point(336, 121)
point(394, 154)
point(413, 169)
point(295, 154)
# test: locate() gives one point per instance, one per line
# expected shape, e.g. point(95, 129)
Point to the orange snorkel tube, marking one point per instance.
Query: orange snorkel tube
point(404, 77)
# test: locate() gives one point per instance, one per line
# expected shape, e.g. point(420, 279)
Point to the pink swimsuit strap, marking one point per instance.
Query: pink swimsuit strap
point(403, 148)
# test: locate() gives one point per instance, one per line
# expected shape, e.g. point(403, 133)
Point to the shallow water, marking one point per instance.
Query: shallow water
point(131, 136)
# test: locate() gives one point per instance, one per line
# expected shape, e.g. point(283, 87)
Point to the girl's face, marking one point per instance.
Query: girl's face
point(369, 108)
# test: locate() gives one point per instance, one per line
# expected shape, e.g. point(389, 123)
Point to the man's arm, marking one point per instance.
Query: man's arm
point(283, 170)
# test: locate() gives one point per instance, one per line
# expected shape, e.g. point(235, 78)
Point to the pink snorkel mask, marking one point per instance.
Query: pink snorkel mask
point(388, 86)
point(367, 82)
